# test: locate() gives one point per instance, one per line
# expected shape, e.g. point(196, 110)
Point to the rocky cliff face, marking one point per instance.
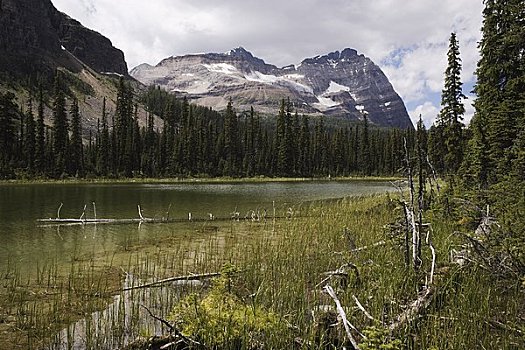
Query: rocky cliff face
point(343, 84)
point(34, 37)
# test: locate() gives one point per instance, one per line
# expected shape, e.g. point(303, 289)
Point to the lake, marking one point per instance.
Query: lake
point(24, 241)
point(32, 253)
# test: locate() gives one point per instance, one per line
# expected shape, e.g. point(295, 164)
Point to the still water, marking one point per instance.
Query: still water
point(24, 242)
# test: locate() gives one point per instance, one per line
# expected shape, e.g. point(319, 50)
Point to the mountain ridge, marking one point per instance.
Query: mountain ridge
point(341, 83)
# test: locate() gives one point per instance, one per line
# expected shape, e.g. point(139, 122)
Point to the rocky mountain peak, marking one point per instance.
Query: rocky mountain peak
point(240, 52)
point(340, 83)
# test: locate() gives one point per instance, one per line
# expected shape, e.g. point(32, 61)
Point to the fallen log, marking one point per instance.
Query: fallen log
point(414, 309)
point(173, 279)
point(342, 314)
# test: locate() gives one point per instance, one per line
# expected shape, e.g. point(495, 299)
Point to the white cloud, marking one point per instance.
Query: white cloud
point(469, 108)
point(428, 112)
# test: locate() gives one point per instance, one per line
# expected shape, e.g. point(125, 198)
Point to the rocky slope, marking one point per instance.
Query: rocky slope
point(344, 84)
point(36, 40)
point(34, 36)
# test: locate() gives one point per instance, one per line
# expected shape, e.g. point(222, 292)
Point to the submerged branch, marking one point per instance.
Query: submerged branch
point(172, 279)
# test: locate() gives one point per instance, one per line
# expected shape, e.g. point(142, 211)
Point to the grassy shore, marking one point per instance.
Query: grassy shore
point(258, 179)
point(271, 294)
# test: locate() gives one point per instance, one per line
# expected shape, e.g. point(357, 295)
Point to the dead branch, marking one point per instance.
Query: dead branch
point(361, 307)
point(433, 251)
point(140, 212)
point(83, 212)
point(341, 272)
point(434, 174)
point(377, 244)
point(161, 320)
point(342, 314)
point(172, 329)
point(172, 279)
point(58, 211)
point(414, 309)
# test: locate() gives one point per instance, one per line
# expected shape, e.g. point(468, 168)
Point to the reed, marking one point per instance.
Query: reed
point(280, 268)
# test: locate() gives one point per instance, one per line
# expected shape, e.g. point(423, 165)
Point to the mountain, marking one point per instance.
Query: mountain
point(36, 40)
point(344, 84)
point(34, 37)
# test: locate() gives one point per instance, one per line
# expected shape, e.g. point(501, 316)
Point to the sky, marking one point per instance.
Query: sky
point(407, 39)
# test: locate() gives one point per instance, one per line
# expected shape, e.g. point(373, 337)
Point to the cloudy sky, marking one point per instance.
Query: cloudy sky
point(408, 39)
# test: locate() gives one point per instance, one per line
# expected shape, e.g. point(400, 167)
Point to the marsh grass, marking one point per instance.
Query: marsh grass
point(279, 267)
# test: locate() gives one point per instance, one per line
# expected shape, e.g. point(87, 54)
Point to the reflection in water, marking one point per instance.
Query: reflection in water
point(21, 205)
point(25, 244)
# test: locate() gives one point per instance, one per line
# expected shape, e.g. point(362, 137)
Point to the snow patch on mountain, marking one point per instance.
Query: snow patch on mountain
point(291, 80)
point(194, 87)
point(261, 78)
point(223, 68)
point(335, 88)
point(325, 103)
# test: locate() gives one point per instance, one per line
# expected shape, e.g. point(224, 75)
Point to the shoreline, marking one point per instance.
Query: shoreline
point(192, 180)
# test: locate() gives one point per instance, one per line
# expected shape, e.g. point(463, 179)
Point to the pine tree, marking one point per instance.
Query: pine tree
point(364, 149)
point(231, 140)
point(103, 156)
point(40, 140)
point(60, 129)
point(76, 152)
point(123, 129)
point(8, 115)
point(29, 141)
point(451, 114)
point(304, 147)
point(500, 82)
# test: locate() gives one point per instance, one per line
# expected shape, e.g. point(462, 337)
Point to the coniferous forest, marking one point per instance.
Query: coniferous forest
point(191, 141)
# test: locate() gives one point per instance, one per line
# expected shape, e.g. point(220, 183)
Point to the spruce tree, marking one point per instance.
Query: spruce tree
point(76, 153)
point(231, 140)
point(29, 141)
point(364, 149)
point(451, 114)
point(500, 82)
point(8, 115)
point(60, 129)
point(40, 140)
point(103, 156)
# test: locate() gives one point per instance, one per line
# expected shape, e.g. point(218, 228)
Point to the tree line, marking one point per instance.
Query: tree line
point(190, 141)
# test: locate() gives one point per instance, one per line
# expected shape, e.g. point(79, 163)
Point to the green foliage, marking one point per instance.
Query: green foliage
point(223, 320)
point(378, 338)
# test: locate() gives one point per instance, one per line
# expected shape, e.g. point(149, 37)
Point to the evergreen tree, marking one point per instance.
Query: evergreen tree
point(76, 152)
point(304, 147)
point(231, 137)
point(29, 141)
point(364, 149)
point(8, 115)
point(451, 114)
point(60, 129)
point(40, 139)
point(499, 85)
point(103, 157)
point(123, 130)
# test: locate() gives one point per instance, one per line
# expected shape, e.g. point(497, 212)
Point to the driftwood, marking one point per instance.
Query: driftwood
point(172, 279)
point(377, 244)
point(179, 337)
point(342, 314)
point(340, 272)
point(361, 307)
point(414, 309)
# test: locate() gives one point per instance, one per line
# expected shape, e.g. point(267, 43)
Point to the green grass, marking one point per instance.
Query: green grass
point(75, 181)
point(280, 266)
